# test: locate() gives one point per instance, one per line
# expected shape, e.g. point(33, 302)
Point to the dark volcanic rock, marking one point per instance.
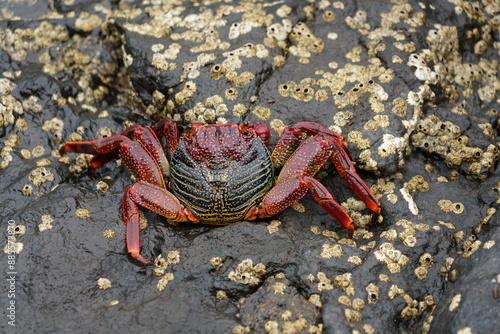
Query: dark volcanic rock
point(412, 87)
point(277, 305)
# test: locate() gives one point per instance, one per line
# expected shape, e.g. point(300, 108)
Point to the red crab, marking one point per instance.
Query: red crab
point(223, 173)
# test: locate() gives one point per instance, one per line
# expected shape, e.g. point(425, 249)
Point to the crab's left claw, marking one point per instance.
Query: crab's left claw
point(166, 128)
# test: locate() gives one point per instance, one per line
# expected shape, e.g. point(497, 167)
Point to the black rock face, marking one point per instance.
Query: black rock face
point(412, 87)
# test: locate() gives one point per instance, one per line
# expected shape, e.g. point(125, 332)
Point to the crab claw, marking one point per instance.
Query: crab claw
point(261, 131)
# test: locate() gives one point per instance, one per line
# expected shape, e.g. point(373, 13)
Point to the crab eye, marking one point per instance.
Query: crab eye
point(193, 128)
point(243, 128)
point(261, 131)
point(246, 134)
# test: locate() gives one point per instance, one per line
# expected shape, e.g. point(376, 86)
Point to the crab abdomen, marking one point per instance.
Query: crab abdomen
point(224, 195)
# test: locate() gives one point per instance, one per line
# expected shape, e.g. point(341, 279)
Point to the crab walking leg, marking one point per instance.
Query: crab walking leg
point(137, 159)
point(347, 172)
point(326, 201)
point(104, 149)
point(292, 137)
point(156, 199)
point(307, 160)
point(102, 159)
point(303, 164)
point(108, 148)
point(147, 138)
point(131, 217)
point(287, 192)
point(167, 129)
point(160, 201)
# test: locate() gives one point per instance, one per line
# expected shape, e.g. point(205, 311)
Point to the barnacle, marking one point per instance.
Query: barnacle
point(247, 273)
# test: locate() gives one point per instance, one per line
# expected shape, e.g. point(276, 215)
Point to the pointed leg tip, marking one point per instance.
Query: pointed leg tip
point(139, 257)
point(62, 150)
point(374, 218)
point(350, 231)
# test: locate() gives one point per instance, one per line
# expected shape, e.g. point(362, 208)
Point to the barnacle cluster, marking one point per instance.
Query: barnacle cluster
point(55, 126)
point(161, 265)
point(9, 108)
point(212, 110)
point(46, 223)
point(416, 183)
point(87, 22)
point(324, 282)
point(448, 206)
point(442, 63)
point(426, 261)
point(393, 258)
point(315, 299)
point(40, 175)
point(162, 283)
point(446, 139)
point(345, 283)
point(373, 292)
point(273, 226)
point(109, 234)
point(408, 235)
point(82, 213)
point(247, 273)
point(304, 42)
point(329, 251)
point(10, 144)
point(104, 283)
point(21, 41)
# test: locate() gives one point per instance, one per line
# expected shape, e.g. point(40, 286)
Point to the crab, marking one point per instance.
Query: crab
point(223, 173)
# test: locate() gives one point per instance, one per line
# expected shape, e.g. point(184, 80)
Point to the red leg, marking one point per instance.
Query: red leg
point(100, 146)
point(279, 198)
point(288, 148)
point(307, 159)
point(146, 137)
point(131, 217)
point(167, 129)
point(293, 135)
point(108, 148)
point(326, 201)
point(293, 189)
point(156, 199)
point(160, 201)
point(133, 155)
point(102, 159)
point(347, 172)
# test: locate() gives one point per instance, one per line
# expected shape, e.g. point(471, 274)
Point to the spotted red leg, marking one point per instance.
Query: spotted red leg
point(108, 148)
point(135, 157)
point(141, 152)
point(138, 161)
point(166, 128)
point(347, 172)
point(296, 179)
point(147, 138)
point(156, 199)
point(290, 191)
point(293, 136)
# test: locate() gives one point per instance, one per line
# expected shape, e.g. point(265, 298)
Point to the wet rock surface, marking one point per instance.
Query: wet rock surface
point(412, 87)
